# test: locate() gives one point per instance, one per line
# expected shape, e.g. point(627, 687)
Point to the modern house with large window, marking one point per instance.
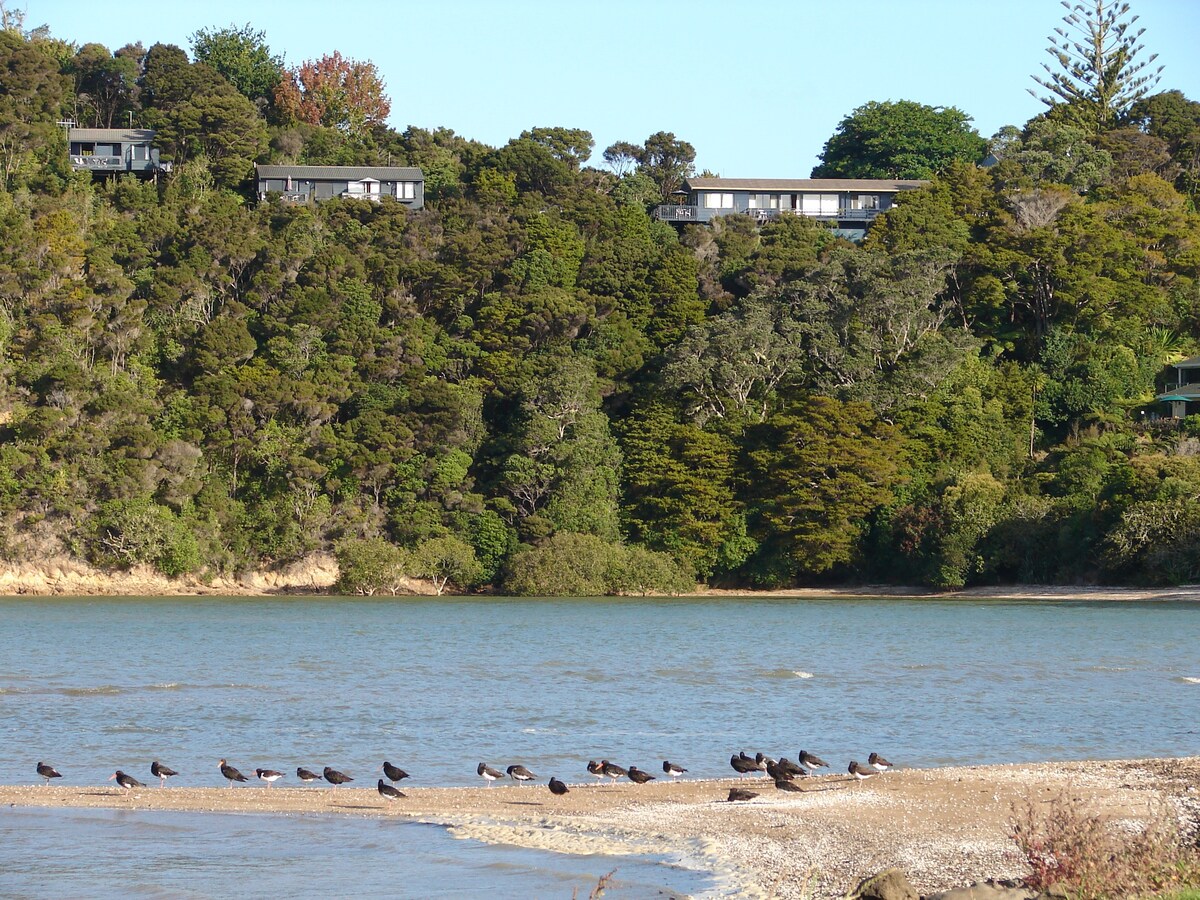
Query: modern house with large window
point(1185, 390)
point(847, 204)
point(307, 184)
point(114, 150)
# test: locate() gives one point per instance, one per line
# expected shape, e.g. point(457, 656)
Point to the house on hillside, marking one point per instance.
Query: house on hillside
point(308, 184)
point(847, 204)
point(1186, 388)
point(114, 150)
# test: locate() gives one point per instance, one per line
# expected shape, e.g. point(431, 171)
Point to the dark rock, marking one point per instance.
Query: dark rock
point(890, 884)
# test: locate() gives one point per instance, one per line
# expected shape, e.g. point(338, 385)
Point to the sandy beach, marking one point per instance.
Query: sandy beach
point(943, 827)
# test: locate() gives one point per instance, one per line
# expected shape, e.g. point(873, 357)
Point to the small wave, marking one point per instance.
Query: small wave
point(166, 686)
point(1187, 679)
point(802, 674)
point(103, 689)
point(1107, 669)
point(786, 673)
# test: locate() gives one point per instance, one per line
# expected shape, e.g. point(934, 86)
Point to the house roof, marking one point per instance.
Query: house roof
point(1188, 392)
point(800, 185)
point(1192, 362)
point(125, 135)
point(340, 173)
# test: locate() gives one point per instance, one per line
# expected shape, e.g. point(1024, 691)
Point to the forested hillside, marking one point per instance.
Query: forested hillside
point(533, 385)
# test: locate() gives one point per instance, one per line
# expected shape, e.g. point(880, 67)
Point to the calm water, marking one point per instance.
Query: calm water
point(437, 685)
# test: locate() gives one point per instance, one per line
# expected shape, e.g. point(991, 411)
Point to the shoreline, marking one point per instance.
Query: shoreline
point(944, 827)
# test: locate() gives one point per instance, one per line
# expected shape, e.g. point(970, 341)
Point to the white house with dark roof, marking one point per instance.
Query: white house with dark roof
point(848, 204)
point(307, 184)
point(114, 150)
point(1186, 388)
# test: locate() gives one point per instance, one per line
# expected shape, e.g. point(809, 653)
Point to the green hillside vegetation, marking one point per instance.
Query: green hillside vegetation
point(532, 385)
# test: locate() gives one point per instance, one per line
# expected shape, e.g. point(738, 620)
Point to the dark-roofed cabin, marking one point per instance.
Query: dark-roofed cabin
point(306, 184)
point(114, 150)
point(848, 204)
point(1186, 388)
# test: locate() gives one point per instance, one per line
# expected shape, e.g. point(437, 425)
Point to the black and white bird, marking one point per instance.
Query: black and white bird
point(861, 772)
point(520, 773)
point(231, 773)
point(811, 761)
point(776, 772)
point(334, 777)
point(877, 762)
point(126, 781)
point(270, 776)
point(161, 772)
point(637, 776)
point(737, 795)
point(393, 773)
point(596, 769)
point(387, 792)
point(784, 764)
point(742, 764)
point(557, 788)
point(613, 771)
point(307, 775)
point(673, 770)
point(487, 773)
point(762, 761)
point(48, 771)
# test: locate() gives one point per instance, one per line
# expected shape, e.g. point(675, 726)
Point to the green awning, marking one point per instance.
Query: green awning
point(1177, 399)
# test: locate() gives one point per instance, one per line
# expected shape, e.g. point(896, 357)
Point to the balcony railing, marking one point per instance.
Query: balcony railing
point(670, 212)
point(97, 162)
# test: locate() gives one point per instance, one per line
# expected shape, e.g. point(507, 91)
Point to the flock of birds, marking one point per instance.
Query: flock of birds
point(782, 771)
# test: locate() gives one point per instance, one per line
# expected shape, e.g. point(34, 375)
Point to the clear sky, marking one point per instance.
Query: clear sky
point(757, 86)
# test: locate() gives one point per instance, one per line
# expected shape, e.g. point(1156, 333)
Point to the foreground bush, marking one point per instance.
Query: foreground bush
point(1087, 858)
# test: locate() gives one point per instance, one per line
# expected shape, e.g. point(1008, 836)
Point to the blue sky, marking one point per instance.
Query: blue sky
point(756, 87)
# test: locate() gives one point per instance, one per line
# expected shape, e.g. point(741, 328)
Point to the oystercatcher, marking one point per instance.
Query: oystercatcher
point(612, 770)
point(161, 772)
point(231, 773)
point(48, 772)
point(596, 769)
point(673, 770)
point(737, 794)
point(557, 788)
point(811, 761)
point(126, 781)
point(334, 777)
point(878, 763)
point(784, 784)
point(742, 764)
point(487, 773)
point(393, 773)
point(786, 765)
point(637, 776)
point(387, 792)
point(861, 772)
point(520, 773)
point(270, 776)
point(307, 776)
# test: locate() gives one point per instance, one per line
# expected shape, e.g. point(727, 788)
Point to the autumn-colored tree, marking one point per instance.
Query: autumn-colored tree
point(335, 92)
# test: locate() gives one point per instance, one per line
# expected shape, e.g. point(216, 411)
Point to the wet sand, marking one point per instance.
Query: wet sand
point(944, 827)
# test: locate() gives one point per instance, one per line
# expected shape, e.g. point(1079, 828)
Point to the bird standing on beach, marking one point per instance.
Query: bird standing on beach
point(487, 773)
point(231, 773)
point(742, 764)
point(637, 776)
point(811, 761)
point(334, 777)
point(393, 773)
point(387, 792)
point(673, 770)
point(48, 772)
point(783, 764)
point(161, 772)
point(307, 776)
point(612, 770)
point(596, 769)
point(877, 762)
point(126, 781)
point(270, 776)
point(520, 773)
point(861, 772)
point(557, 788)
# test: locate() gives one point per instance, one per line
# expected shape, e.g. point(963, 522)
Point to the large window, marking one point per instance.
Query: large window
point(865, 201)
point(764, 201)
point(819, 204)
point(406, 190)
point(715, 200)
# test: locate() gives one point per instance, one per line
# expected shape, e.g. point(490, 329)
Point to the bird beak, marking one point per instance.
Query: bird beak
point(111, 777)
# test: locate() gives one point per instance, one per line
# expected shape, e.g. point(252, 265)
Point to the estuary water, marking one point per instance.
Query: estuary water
point(438, 685)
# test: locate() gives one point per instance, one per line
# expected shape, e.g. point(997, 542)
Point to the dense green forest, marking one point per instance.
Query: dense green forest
point(533, 385)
